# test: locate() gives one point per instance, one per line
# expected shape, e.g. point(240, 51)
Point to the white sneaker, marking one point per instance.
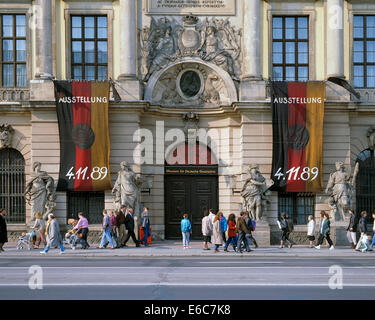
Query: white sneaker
point(43, 252)
point(61, 252)
point(317, 247)
point(331, 248)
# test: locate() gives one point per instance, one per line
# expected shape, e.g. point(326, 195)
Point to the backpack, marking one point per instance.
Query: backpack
point(253, 225)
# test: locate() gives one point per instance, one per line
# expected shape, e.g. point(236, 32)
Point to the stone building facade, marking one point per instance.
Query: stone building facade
point(185, 66)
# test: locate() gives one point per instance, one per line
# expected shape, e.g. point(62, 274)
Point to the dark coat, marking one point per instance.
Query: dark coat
point(129, 222)
point(3, 230)
point(353, 223)
point(284, 224)
point(363, 225)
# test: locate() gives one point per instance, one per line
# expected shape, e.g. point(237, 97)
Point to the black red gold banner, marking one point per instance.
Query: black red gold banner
point(297, 123)
point(82, 112)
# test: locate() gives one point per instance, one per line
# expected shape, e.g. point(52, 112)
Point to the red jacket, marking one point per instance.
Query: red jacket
point(231, 229)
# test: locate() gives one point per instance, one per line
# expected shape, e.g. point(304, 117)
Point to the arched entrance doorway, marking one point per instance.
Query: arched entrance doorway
point(191, 186)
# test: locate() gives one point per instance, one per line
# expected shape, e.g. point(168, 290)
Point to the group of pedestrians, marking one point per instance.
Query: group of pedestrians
point(365, 242)
point(215, 227)
point(115, 225)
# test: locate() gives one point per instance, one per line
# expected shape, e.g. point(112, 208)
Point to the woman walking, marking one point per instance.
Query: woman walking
point(232, 234)
point(145, 226)
point(3, 230)
point(351, 233)
point(311, 231)
point(206, 230)
point(324, 229)
point(186, 231)
point(217, 234)
point(40, 228)
point(362, 228)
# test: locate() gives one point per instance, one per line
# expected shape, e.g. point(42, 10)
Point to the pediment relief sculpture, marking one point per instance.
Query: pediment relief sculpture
point(167, 40)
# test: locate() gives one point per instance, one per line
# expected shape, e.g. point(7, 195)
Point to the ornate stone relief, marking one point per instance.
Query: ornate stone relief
point(6, 133)
point(167, 40)
point(190, 85)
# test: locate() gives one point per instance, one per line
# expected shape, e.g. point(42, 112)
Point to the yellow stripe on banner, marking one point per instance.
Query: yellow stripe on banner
point(101, 147)
point(314, 125)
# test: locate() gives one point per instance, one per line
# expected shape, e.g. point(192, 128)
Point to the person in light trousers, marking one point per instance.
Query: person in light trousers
point(362, 229)
point(311, 231)
point(186, 230)
point(106, 228)
point(351, 233)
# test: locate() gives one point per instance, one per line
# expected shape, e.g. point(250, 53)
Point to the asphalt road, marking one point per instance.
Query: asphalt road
point(187, 278)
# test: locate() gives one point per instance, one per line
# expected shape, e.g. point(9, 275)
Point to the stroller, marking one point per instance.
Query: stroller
point(25, 241)
point(72, 237)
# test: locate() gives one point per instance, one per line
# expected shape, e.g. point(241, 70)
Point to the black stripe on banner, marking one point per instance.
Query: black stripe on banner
point(67, 146)
point(280, 134)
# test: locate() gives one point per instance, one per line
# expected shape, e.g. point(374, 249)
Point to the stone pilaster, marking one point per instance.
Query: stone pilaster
point(335, 38)
point(128, 54)
point(251, 86)
point(43, 33)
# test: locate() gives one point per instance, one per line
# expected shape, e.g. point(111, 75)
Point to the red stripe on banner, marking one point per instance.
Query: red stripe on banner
point(82, 115)
point(296, 123)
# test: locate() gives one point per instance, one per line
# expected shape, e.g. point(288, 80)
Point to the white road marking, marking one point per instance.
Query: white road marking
point(190, 284)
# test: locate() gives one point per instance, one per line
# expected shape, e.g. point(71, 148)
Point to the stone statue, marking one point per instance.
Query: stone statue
point(254, 193)
point(166, 40)
point(340, 190)
point(127, 188)
point(40, 191)
point(6, 133)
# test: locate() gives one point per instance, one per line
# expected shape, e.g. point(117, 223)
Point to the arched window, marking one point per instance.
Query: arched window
point(365, 184)
point(12, 185)
point(187, 154)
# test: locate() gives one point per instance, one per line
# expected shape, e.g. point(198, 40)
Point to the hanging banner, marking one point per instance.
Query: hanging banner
point(297, 123)
point(82, 113)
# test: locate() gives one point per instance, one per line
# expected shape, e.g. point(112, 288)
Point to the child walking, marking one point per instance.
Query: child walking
point(186, 231)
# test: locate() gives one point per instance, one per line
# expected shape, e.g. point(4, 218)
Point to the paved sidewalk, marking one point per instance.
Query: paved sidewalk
point(175, 249)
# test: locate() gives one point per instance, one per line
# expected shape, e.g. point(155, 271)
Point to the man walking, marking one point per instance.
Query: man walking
point(53, 235)
point(129, 225)
point(243, 232)
point(3, 229)
point(121, 225)
point(249, 225)
point(352, 228)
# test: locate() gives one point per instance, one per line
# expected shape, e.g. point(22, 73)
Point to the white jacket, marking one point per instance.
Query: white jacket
point(311, 228)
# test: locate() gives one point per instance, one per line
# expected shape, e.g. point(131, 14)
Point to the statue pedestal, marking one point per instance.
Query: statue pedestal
point(262, 233)
point(338, 233)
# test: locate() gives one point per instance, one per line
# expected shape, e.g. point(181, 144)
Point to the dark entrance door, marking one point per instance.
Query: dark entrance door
point(191, 194)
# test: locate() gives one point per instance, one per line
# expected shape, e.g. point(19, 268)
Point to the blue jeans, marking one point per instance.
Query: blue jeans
point(146, 231)
point(231, 240)
point(185, 238)
point(48, 246)
point(373, 241)
point(106, 237)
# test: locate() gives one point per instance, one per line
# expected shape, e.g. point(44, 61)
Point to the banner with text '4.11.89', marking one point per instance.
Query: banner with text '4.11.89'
point(297, 123)
point(82, 113)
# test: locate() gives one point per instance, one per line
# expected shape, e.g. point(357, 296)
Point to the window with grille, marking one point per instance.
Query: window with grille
point(90, 203)
point(297, 205)
point(364, 51)
point(365, 184)
point(89, 44)
point(12, 185)
point(13, 50)
point(290, 48)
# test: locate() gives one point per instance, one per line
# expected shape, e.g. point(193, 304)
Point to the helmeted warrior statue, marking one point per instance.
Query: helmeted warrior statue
point(340, 190)
point(254, 193)
point(40, 192)
point(127, 188)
